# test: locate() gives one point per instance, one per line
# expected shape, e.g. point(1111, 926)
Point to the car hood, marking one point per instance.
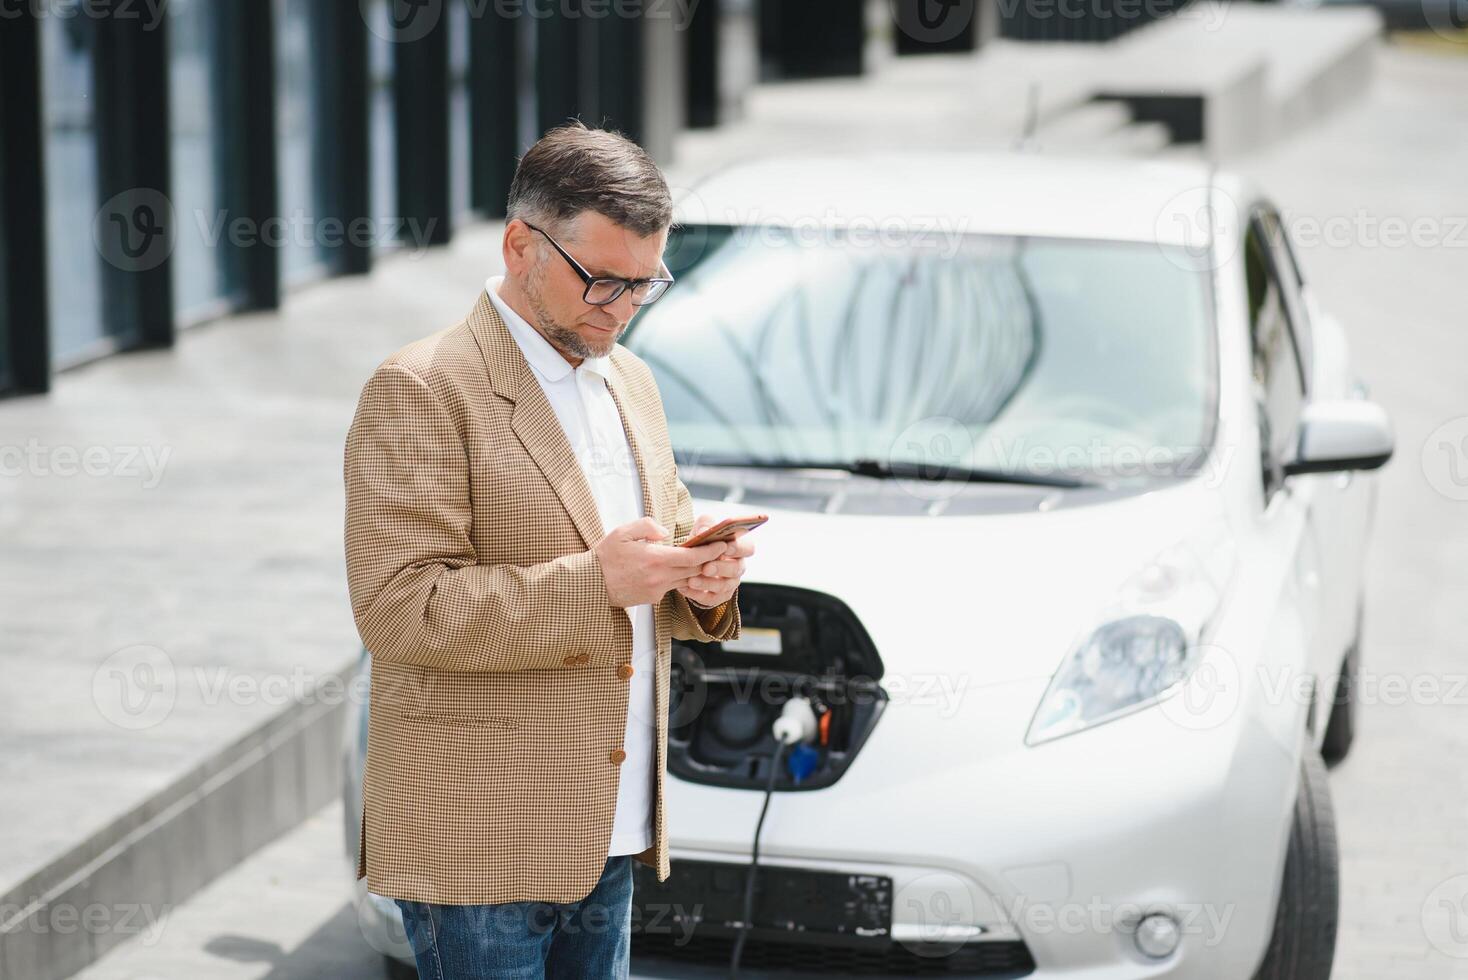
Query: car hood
point(994, 598)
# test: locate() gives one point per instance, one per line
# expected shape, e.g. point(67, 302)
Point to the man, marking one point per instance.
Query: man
point(512, 522)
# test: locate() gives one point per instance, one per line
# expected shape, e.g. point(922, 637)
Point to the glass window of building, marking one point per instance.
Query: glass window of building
point(298, 116)
point(205, 278)
point(6, 381)
point(460, 152)
point(383, 123)
point(74, 276)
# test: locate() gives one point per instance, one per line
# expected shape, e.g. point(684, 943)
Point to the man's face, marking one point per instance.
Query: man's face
point(554, 290)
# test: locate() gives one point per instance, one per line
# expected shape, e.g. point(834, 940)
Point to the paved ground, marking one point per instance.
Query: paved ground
point(237, 405)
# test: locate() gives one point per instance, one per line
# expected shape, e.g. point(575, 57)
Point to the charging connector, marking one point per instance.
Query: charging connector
point(797, 722)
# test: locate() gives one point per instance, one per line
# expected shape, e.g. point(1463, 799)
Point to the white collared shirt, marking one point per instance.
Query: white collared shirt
point(593, 427)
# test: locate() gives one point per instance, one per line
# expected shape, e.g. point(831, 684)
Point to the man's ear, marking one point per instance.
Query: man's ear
point(516, 247)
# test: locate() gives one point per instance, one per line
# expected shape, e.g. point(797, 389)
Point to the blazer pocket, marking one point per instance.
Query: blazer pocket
point(458, 699)
point(464, 720)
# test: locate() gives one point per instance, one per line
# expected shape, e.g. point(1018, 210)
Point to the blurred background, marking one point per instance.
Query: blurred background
point(217, 216)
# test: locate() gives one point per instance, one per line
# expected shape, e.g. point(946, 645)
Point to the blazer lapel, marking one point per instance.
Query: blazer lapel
point(635, 438)
point(540, 431)
point(534, 421)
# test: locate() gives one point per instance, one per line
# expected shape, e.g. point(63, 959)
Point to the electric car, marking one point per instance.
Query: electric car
point(1068, 483)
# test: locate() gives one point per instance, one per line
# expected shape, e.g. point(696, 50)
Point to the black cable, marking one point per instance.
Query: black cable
point(745, 919)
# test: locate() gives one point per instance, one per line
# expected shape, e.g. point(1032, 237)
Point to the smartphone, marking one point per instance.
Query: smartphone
point(726, 529)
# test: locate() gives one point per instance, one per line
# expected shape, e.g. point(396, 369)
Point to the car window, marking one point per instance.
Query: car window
point(1282, 252)
point(1276, 369)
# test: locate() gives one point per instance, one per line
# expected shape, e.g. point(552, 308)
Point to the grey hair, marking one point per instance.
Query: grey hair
point(572, 169)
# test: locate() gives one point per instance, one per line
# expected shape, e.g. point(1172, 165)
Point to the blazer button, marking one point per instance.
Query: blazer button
point(624, 671)
point(618, 756)
point(572, 660)
point(584, 659)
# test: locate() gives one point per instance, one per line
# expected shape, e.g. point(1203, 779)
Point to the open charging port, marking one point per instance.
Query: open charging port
point(726, 697)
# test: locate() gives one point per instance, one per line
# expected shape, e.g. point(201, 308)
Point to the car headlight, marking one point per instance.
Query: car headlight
point(1146, 646)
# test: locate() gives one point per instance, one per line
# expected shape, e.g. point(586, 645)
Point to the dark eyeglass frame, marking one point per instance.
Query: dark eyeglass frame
point(622, 284)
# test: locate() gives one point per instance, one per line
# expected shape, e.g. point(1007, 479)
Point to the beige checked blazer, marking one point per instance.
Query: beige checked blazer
point(497, 705)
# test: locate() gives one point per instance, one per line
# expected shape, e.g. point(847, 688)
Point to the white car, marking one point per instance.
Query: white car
point(1062, 463)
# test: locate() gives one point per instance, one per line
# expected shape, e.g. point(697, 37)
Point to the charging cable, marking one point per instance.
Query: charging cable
point(797, 723)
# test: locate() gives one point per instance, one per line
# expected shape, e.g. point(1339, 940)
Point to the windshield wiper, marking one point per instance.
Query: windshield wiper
point(905, 470)
point(898, 470)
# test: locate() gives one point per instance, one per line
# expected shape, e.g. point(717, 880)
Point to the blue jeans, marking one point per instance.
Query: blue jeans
point(585, 940)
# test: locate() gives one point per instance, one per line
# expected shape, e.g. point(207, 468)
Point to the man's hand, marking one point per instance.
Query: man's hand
point(717, 579)
point(637, 569)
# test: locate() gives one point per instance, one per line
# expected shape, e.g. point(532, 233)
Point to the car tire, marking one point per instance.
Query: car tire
point(1340, 731)
point(398, 970)
point(1303, 944)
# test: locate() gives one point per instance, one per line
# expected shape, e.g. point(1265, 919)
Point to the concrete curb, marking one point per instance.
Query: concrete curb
point(127, 876)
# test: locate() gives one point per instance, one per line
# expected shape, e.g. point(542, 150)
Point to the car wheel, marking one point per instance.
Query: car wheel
point(1303, 944)
point(398, 970)
point(1340, 731)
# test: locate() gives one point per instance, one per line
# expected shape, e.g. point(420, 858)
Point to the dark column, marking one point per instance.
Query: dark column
point(1098, 20)
point(493, 108)
point(618, 57)
point(811, 38)
point(135, 227)
point(248, 55)
point(558, 61)
point(6, 383)
point(23, 312)
point(346, 153)
point(421, 105)
point(701, 65)
point(935, 26)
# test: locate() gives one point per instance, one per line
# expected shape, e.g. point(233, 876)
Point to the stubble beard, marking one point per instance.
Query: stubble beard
point(561, 337)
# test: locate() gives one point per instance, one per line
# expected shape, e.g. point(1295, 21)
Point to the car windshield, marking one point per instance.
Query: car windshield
point(991, 355)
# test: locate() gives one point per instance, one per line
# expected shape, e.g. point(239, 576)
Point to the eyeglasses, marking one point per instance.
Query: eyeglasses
point(602, 290)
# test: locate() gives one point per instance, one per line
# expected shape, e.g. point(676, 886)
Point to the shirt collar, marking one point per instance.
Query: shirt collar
point(544, 358)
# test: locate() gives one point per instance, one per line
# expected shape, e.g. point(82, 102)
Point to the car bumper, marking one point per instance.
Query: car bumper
point(1064, 845)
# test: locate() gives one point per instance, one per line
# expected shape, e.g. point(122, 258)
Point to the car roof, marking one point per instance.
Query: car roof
point(1019, 193)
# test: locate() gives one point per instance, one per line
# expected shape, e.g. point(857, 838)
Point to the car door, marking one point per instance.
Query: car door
point(1279, 393)
point(1339, 502)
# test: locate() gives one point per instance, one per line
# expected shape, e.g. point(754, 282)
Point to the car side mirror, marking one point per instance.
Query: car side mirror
point(1339, 435)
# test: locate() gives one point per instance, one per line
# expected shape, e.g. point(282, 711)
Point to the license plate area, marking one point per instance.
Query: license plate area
point(706, 898)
